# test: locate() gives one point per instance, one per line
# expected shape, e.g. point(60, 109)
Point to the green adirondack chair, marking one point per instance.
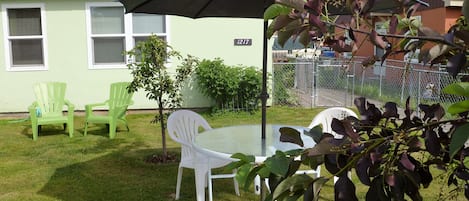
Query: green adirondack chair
point(119, 100)
point(49, 107)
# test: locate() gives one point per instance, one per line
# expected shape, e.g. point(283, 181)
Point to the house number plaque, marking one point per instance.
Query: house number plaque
point(242, 41)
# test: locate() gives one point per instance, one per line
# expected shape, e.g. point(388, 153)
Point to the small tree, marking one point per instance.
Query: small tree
point(150, 73)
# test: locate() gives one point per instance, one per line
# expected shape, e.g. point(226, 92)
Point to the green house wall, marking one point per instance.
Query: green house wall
point(206, 38)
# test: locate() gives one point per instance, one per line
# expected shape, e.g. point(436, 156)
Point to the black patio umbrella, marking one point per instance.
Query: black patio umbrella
point(236, 9)
point(212, 8)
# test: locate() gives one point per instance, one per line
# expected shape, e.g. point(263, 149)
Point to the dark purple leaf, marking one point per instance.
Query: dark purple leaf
point(353, 6)
point(387, 52)
point(314, 6)
point(432, 112)
point(291, 135)
point(412, 9)
point(377, 40)
point(344, 190)
point(374, 170)
point(372, 114)
point(415, 144)
point(391, 180)
point(366, 7)
point(335, 162)
point(315, 21)
point(462, 173)
point(463, 35)
point(408, 110)
point(393, 24)
point(390, 110)
point(456, 63)
point(400, 184)
point(375, 157)
point(344, 127)
point(425, 175)
point(351, 34)
point(360, 103)
point(449, 37)
point(376, 190)
point(452, 180)
point(330, 162)
point(406, 162)
point(325, 146)
point(431, 143)
point(410, 185)
point(361, 170)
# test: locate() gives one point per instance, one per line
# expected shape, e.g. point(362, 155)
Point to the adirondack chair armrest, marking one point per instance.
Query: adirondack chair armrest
point(69, 105)
point(33, 111)
point(89, 107)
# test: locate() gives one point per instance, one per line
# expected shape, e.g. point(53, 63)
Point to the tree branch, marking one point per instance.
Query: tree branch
point(439, 39)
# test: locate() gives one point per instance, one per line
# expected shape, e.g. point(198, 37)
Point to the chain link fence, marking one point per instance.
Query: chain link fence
point(336, 82)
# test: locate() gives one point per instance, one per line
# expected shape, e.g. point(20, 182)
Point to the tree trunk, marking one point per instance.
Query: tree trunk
point(163, 128)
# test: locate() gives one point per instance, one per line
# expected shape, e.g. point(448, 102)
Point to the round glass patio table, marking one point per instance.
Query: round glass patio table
point(226, 141)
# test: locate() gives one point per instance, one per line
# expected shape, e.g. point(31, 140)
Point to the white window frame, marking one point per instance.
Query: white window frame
point(7, 37)
point(128, 35)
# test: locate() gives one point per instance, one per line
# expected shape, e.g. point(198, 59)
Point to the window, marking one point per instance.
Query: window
point(111, 32)
point(379, 69)
point(25, 38)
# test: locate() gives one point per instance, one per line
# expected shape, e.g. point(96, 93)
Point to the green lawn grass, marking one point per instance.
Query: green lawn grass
point(93, 167)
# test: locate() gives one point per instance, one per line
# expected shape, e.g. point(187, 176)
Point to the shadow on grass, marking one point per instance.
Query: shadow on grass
point(45, 130)
point(122, 175)
point(103, 130)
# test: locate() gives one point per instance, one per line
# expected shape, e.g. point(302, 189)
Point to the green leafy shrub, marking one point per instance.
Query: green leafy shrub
point(237, 87)
point(284, 74)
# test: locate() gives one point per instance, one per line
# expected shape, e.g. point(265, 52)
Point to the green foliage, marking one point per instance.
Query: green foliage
point(284, 74)
point(150, 74)
point(230, 86)
point(392, 155)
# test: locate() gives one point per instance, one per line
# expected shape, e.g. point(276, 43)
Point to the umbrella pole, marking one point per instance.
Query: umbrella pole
point(264, 96)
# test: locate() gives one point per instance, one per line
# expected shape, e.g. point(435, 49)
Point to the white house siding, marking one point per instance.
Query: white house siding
point(66, 31)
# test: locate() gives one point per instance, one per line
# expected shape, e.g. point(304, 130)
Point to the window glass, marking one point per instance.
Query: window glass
point(27, 52)
point(107, 20)
point(146, 23)
point(24, 21)
point(112, 32)
point(24, 36)
point(109, 50)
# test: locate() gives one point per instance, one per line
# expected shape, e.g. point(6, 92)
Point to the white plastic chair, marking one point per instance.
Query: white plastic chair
point(325, 117)
point(183, 126)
